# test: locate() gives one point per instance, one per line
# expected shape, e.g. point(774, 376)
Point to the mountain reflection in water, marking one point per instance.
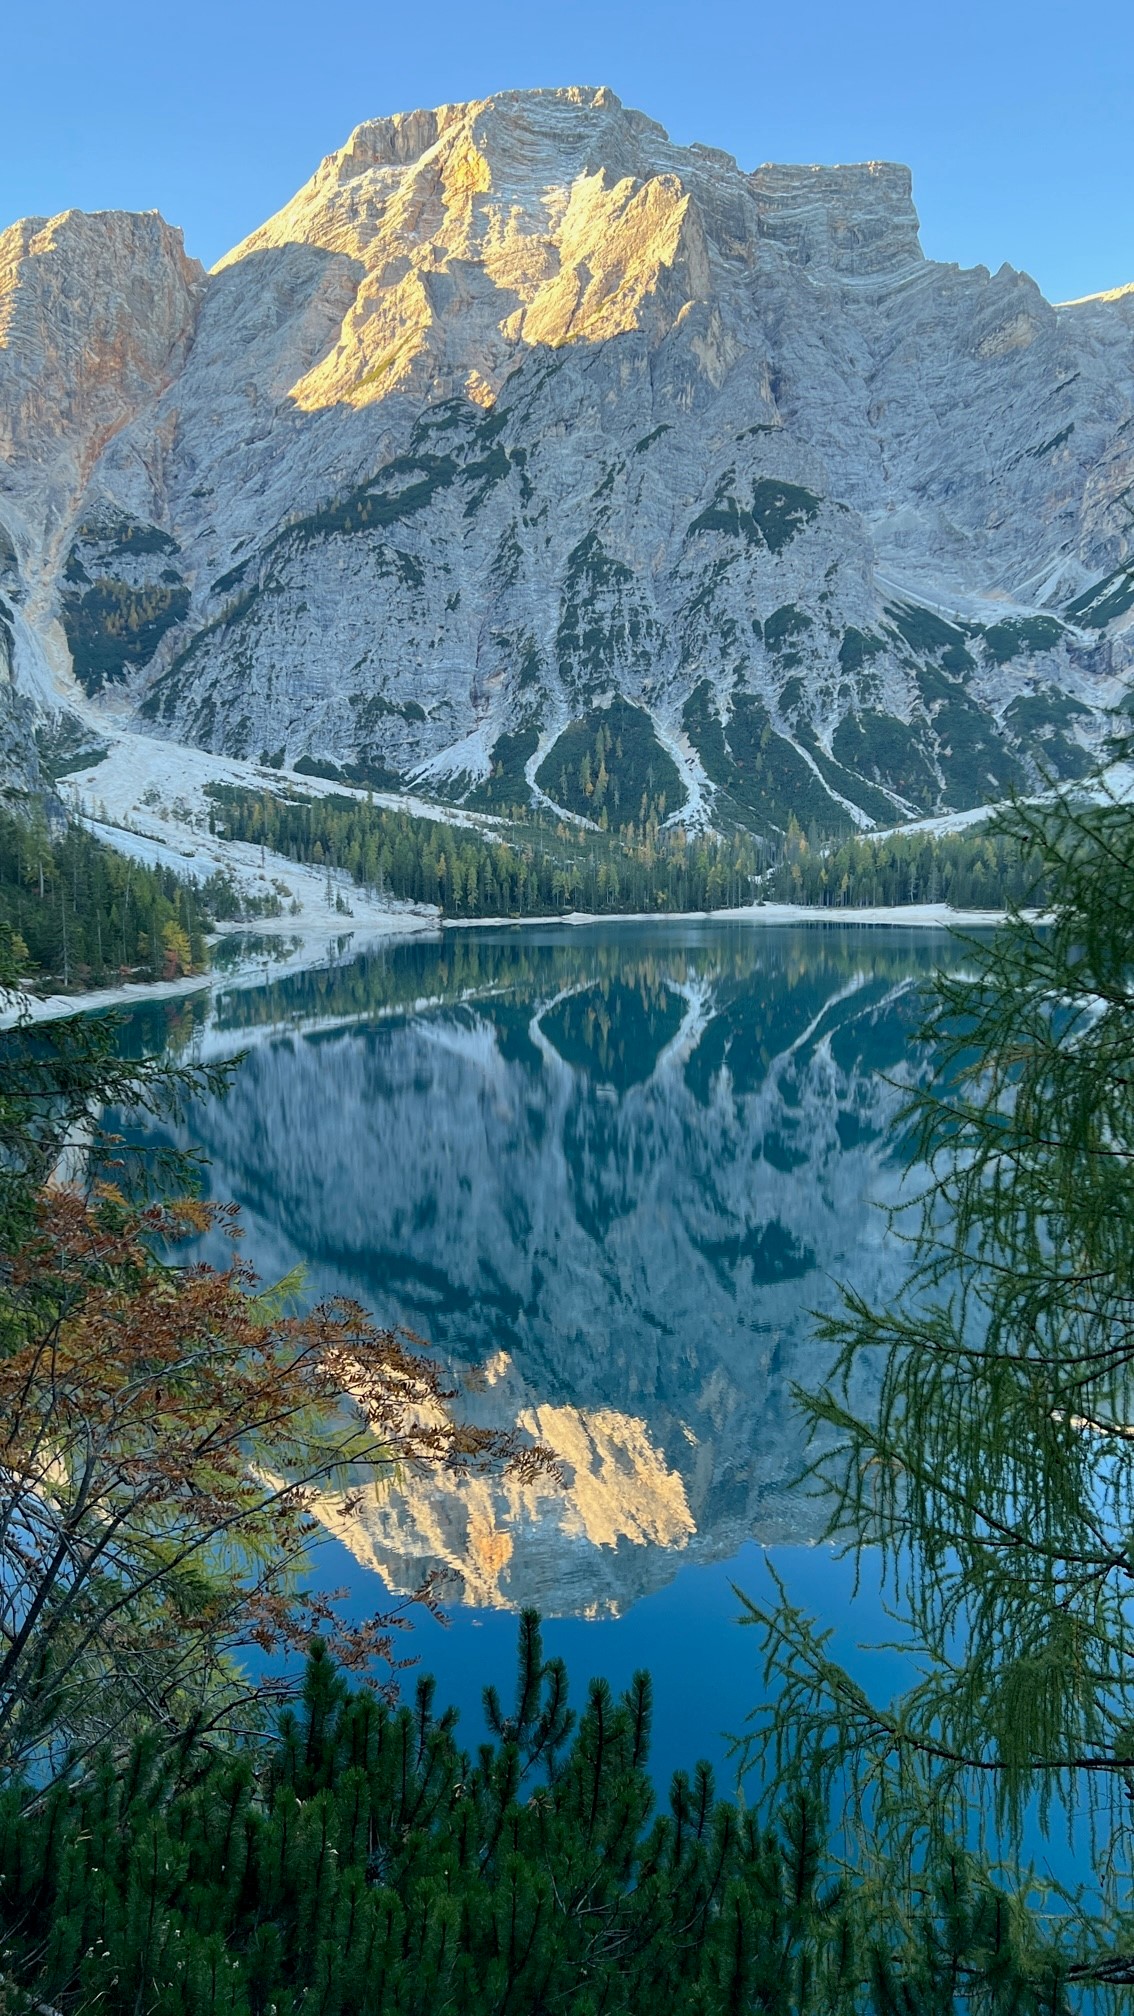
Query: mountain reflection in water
point(607, 1174)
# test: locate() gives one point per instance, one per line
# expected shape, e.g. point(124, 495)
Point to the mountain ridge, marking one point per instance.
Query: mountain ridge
point(516, 409)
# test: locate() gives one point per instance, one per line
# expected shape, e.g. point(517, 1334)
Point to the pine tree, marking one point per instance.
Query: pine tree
point(995, 1478)
point(365, 1863)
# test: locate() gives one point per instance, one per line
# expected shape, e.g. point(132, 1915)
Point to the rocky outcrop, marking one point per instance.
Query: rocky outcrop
point(96, 316)
point(516, 406)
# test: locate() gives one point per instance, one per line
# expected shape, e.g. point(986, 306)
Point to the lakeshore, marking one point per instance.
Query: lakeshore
point(330, 943)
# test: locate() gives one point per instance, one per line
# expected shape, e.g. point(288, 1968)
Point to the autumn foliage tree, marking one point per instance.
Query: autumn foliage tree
point(164, 1429)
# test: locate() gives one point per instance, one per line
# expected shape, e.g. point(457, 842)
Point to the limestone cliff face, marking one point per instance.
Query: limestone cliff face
point(96, 315)
point(516, 405)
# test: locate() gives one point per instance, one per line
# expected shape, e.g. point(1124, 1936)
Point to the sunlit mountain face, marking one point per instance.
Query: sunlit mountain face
point(607, 1177)
point(522, 442)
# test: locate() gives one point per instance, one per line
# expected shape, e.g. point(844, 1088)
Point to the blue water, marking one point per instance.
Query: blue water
point(607, 1175)
point(707, 1667)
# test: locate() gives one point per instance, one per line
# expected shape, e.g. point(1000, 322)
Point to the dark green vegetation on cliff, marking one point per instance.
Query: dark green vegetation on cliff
point(609, 767)
point(113, 627)
point(506, 789)
point(763, 779)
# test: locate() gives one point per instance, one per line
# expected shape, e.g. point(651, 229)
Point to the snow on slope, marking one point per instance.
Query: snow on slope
point(517, 406)
point(150, 799)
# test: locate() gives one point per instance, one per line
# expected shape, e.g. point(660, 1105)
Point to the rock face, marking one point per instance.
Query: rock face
point(516, 407)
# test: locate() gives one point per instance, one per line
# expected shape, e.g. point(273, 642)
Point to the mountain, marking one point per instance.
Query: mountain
point(523, 445)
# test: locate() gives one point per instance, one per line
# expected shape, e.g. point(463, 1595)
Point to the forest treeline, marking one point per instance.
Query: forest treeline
point(543, 868)
point(176, 1840)
point(979, 868)
point(79, 913)
point(83, 914)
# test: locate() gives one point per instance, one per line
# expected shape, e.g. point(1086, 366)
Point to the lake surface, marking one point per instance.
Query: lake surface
point(607, 1174)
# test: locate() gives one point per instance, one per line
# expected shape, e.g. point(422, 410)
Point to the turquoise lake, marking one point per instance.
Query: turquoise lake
point(607, 1174)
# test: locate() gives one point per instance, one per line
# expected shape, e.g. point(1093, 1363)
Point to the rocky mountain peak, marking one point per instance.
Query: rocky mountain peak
point(517, 413)
point(857, 221)
point(532, 217)
point(516, 159)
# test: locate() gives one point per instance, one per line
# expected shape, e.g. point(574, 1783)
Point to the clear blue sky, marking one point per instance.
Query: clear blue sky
point(1017, 119)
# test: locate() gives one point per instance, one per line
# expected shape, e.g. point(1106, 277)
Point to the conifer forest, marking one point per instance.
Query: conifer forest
point(183, 1830)
point(566, 1010)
